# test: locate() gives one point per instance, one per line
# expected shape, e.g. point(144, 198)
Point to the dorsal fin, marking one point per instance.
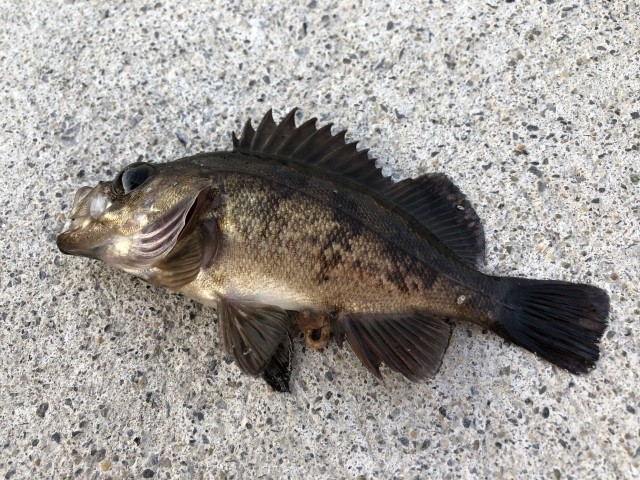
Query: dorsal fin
point(432, 199)
point(439, 205)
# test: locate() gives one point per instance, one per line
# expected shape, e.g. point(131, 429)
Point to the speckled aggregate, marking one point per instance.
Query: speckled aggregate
point(531, 107)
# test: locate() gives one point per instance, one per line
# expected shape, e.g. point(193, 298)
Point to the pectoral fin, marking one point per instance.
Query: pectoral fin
point(182, 264)
point(251, 332)
point(412, 345)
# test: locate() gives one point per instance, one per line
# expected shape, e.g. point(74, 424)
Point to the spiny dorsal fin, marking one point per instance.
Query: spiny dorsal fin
point(432, 199)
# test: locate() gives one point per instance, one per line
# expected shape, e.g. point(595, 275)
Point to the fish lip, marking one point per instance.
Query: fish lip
point(63, 241)
point(66, 244)
point(60, 242)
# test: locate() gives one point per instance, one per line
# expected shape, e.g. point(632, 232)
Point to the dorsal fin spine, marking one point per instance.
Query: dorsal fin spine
point(377, 171)
point(281, 126)
point(317, 134)
point(311, 123)
point(354, 168)
point(336, 153)
point(328, 147)
point(247, 135)
point(258, 140)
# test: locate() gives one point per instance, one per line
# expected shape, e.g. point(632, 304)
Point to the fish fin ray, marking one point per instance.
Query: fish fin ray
point(435, 202)
point(291, 144)
point(361, 348)
point(378, 338)
point(246, 140)
point(161, 236)
point(264, 132)
point(251, 332)
point(282, 132)
point(277, 373)
point(432, 200)
point(183, 263)
point(559, 321)
point(308, 147)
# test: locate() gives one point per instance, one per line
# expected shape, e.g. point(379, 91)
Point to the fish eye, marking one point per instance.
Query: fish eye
point(132, 177)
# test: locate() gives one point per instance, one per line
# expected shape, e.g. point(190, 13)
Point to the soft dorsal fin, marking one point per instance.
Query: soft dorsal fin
point(432, 199)
point(439, 205)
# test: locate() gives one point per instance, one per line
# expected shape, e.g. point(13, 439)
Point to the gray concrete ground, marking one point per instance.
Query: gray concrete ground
point(531, 107)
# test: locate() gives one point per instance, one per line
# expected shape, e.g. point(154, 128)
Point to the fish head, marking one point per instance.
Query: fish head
point(134, 221)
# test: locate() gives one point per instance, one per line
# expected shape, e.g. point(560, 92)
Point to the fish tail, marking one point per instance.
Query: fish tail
point(559, 321)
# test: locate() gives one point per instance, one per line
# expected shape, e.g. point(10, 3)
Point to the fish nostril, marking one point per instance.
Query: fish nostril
point(98, 205)
point(81, 195)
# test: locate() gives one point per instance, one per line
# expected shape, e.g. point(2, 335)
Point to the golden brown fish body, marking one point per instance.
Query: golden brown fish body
point(294, 219)
point(298, 242)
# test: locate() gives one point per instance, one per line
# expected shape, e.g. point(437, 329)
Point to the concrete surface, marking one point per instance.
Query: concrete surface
point(531, 107)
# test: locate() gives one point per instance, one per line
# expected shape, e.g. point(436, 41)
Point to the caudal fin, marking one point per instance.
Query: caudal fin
point(561, 322)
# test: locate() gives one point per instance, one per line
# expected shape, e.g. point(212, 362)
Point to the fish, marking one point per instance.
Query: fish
point(297, 219)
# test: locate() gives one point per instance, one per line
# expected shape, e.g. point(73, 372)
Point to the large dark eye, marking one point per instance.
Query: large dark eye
point(132, 177)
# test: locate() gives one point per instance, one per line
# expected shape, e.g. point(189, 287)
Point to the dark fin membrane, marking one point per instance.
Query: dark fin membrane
point(440, 206)
point(412, 345)
point(251, 332)
point(432, 200)
point(561, 322)
point(277, 373)
point(182, 264)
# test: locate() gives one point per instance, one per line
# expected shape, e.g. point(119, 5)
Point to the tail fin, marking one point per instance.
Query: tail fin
point(561, 322)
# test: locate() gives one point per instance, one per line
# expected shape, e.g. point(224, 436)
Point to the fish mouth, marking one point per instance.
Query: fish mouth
point(77, 242)
point(84, 231)
point(63, 243)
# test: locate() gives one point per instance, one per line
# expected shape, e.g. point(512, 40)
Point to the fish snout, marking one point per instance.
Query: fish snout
point(74, 242)
point(62, 243)
point(85, 240)
point(84, 232)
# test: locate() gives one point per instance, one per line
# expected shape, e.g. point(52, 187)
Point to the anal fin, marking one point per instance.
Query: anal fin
point(412, 345)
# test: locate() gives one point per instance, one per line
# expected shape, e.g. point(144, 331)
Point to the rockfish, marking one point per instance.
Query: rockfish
point(294, 218)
